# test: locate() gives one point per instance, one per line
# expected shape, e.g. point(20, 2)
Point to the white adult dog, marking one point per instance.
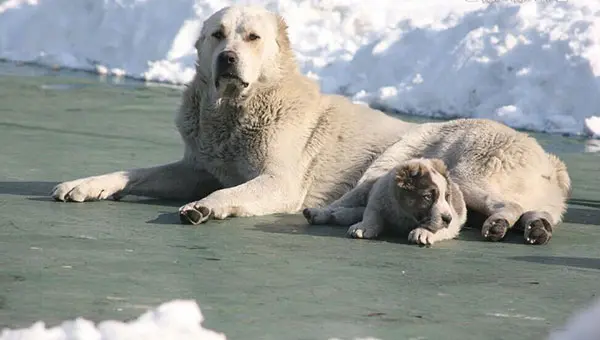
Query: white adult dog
point(260, 138)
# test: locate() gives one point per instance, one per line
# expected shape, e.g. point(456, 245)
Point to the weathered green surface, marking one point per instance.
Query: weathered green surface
point(255, 278)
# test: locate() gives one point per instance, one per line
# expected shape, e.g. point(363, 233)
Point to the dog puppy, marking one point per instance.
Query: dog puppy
point(417, 198)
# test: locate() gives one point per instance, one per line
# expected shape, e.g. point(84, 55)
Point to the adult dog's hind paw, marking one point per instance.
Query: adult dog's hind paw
point(494, 228)
point(537, 227)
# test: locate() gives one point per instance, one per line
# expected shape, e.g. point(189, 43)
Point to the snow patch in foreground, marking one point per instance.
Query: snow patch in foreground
point(583, 325)
point(177, 319)
point(182, 319)
point(532, 65)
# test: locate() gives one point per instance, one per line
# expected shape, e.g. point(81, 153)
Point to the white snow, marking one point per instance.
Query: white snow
point(582, 325)
point(182, 319)
point(592, 126)
point(532, 64)
point(177, 319)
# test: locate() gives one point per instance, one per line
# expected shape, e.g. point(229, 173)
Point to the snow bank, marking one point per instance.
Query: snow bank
point(178, 319)
point(530, 64)
point(182, 319)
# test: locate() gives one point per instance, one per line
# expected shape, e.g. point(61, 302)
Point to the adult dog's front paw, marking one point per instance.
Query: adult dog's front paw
point(200, 212)
point(87, 189)
point(421, 236)
point(360, 230)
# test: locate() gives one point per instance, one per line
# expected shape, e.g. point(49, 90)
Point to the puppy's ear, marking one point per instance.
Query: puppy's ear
point(439, 166)
point(407, 174)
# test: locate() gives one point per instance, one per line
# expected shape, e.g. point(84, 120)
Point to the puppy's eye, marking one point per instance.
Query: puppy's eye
point(253, 37)
point(447, 196)
point(219, 35)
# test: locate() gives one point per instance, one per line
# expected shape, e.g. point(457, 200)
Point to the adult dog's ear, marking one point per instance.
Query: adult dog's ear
point(283, 40)
point(439, 166)
point(198, 42)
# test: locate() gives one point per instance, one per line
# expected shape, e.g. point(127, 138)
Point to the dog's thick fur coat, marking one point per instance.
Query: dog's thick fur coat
point(260, 138)
point(416, 198)
point(504, 175)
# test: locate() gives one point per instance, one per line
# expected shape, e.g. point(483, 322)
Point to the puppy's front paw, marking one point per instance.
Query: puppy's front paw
point(317, 216)
point(421, 236)
point(87, 189)
point(360, 230)
point(198, 212)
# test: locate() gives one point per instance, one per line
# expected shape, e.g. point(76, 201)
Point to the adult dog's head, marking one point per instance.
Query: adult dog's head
point(428, 195)
point(242, 46)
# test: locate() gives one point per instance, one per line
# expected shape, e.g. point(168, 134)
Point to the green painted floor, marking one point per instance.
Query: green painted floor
point(254, 278)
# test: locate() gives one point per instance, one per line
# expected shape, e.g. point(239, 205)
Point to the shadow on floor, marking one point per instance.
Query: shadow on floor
point(41, 192)
point(585, 202)
point(166, 218)
point(29, 188)
point(579, 262)
point(582, 215)
point(296, 225)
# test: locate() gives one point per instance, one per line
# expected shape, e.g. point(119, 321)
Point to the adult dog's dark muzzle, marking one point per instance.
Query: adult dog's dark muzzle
point(227, 68)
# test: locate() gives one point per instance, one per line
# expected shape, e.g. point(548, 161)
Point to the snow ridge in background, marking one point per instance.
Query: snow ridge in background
point(532, 64)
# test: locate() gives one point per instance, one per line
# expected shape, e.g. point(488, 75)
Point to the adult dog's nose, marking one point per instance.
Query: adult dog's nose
point(226, 59)
point(447, 218)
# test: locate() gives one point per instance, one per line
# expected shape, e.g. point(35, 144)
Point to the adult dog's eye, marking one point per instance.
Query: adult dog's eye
point(447, 196)
point(253, 36)
point(219, 35)
point(427, 196)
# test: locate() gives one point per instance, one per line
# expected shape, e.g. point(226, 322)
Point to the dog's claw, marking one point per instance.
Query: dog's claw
point(194, 216)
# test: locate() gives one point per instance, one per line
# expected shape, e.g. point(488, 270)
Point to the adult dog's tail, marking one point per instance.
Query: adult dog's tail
point(562, 175)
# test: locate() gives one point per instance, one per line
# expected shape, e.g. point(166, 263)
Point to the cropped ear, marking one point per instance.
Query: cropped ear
point(439, 166)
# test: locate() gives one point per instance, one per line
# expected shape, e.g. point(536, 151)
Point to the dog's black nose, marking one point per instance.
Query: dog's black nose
point(447, 218)
point(227, 58)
